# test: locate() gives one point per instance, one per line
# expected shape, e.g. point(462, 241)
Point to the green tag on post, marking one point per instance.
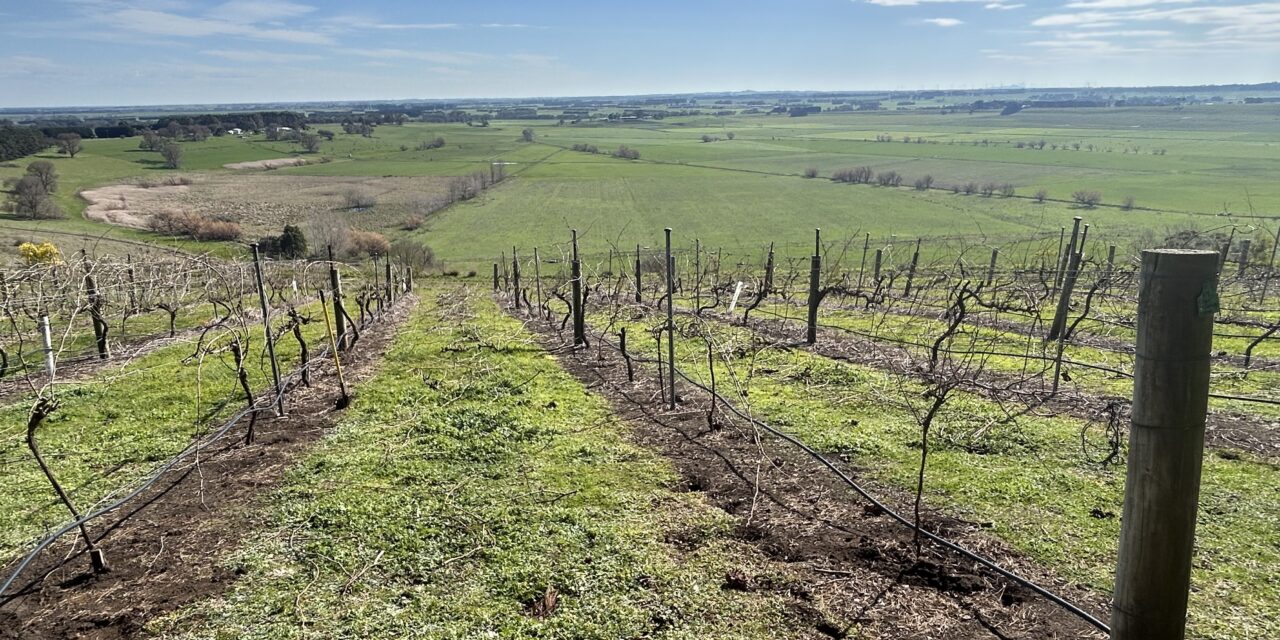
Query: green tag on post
point(1208, 299)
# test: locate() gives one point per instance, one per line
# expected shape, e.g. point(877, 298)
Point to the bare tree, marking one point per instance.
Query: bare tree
point(172, 154)
point(1128, 203)
point(46, 173)
point(69, 144)
point(310, 142)
point(1087, 198)
point(811, 172)
point(29, 198)
point(924, 183)
point(1042, 194)
point(527, 134)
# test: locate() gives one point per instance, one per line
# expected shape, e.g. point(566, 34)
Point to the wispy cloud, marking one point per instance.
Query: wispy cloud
point(172, 25)
point(254, 11)
point(269, 57)
point(27, 66)
point(944, 22)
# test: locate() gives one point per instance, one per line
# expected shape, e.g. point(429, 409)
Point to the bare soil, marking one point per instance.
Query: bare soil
point(856, 570)
point(262, 165)
point(165, 548)
point(263, 203)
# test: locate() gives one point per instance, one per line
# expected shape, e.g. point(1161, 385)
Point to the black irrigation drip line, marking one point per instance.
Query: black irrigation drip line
point(990, 564)
point(291, 380)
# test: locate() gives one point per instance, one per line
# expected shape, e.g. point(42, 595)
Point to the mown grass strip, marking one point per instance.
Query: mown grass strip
point(472, 476)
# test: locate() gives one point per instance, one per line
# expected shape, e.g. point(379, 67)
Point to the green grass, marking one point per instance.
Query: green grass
point(118, 425)
point(470, 475)
point(1030, 478)
point(747, 192)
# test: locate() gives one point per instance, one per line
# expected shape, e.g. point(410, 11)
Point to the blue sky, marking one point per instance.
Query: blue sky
point(106, 52)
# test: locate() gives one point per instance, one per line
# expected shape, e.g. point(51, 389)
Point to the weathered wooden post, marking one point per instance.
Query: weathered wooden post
point(697, 277)
point(862, 266)
point(815, 273)
point(266, 329)
point(1058, 327)
point(495, 277)
point(911, 273)
point(879, 260)
point(639, 284)
point(1226, 248)
point(622, 346)
point(991, 268)
point(339, 315)
point(1060, 261)
point(391, 289)
point(1244, 255)
point(515, 275)
point(537, 278)
point(1176, 303)
point(46, 344)
point(768, 271)
point(408, 278)
point(579, 317)
point(671, 324)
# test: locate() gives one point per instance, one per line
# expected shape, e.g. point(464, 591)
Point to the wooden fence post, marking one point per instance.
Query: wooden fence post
point(768, 271)
point(495, 277)
point(697, 274)
point(639, 284)
point(622, 346)
point(671, 324)
point(1059, 325)
point(1176, 302)
point(815, 273)
point(1244, 255)
point(579, 316)
point(991, 268)
point(879, 260)
point(537, 278)
point(911, 273)
point(862, 266)
point(339, 315)
point(266, 329)
point(391, 290)
point(515, 275)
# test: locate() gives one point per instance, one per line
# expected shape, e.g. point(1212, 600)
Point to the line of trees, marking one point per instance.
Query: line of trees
point(19, 142)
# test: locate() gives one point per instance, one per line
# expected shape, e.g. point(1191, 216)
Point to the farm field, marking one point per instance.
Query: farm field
point(743, 193)
point(483, 476)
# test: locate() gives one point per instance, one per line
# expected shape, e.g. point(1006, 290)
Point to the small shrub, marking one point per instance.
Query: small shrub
point(1042, 195)
point(1128, 203)
point(924, 183)
point(1087, 198)
point(359, 198)
point(412, 223)
point(811, 172)
point(374, 244)
point(43, 253)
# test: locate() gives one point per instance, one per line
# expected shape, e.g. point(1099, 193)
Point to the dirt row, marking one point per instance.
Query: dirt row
point(165, 548)
point(854, 567)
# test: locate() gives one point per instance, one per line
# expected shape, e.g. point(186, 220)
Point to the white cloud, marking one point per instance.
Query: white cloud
point(944, 22)
point(253, 11)
point(160, 23)
point(913, 3)
point(1001, 6)
point(272, 57)
point(27, 66)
